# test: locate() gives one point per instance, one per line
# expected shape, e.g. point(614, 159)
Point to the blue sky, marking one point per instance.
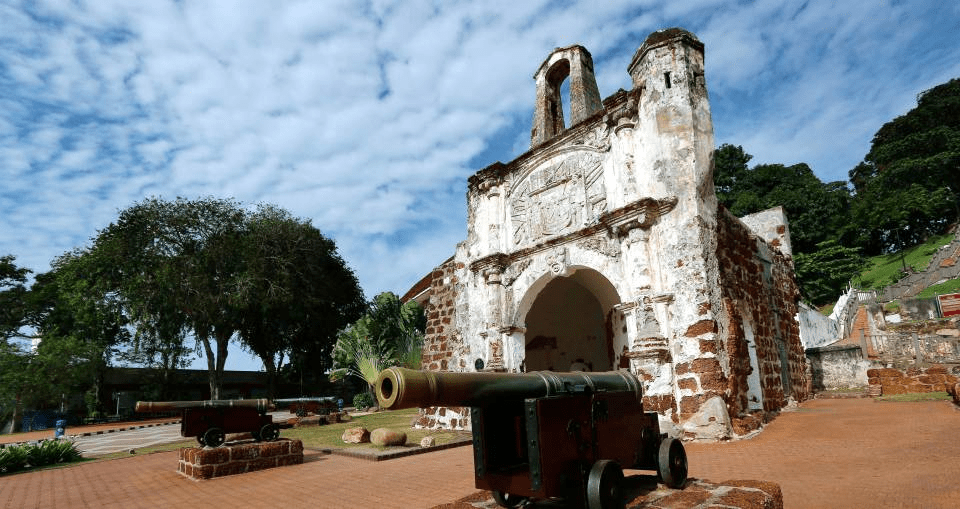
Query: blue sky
point(368, 117)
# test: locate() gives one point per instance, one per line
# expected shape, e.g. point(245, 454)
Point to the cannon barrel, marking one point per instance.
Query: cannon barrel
point(262, 405)
point(406, 388)
point(320, 399)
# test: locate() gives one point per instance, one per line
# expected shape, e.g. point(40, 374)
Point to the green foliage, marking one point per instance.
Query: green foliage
point(817, 211)
point(908, 186)
point(15, 458)
point(209, 268)
point(946, 287)
point(824, 273)
point(389, 334)
point(362, 400)
point(13, 306)
point(294, 290)
point(886, 269)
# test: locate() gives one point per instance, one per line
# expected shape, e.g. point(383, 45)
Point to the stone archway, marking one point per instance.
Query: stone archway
point(567, 324)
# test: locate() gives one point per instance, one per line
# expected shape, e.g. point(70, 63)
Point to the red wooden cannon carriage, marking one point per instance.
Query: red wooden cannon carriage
point(211, 420)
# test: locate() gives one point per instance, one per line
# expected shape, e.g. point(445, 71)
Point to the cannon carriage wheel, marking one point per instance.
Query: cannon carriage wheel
point(268, 433)
point(604, 486)
point(213, 437)
point(672, 463)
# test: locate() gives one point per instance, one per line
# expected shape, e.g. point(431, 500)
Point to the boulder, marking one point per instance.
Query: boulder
point(711, 422)
point(384, 436)
point(428, 442)
point(356, 435)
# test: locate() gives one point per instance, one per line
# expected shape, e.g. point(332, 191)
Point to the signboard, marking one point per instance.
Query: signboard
point(949, 304)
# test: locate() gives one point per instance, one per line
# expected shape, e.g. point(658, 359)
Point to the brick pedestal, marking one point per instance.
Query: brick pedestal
point(206, 463)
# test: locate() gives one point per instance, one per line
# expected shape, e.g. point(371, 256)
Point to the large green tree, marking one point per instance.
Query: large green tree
point(817, 211)
point(13, 356)
point(295, 292)
point(174, 264)
point(908, 185)
point(825, 272)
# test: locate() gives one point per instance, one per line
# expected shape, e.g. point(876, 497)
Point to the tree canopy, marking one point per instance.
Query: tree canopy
point(208, 268)
point(817, 211)
point(908, 185)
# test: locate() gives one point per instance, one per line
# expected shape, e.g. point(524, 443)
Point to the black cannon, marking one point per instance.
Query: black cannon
point(211, 420)
point(302, 406)
point(545, 435)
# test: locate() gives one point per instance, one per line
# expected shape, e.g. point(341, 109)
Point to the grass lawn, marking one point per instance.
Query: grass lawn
point(926, 396)
point(951, 286)
point(884, 270)
point(328, 436)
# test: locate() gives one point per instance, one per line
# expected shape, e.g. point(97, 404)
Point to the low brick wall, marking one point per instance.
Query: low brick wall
point(913, 380)
point(206, 463)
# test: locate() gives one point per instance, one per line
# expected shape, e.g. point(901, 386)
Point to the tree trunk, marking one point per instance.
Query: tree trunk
point(223, 341)
point(212, 375)
point(14, 425)
point(271, 377)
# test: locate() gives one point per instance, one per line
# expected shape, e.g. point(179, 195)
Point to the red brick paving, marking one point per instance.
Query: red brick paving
point(848, 453)
point(830, 453)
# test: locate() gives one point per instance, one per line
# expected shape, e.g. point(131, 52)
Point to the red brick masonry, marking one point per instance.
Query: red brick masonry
point(914, 380)
point(206, 463)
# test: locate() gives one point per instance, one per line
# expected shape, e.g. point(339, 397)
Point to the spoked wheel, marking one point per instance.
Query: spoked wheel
point(214, 437)
point(604, 486)
point(269, 432)
point(200, 440)
point(507, 499)
point(672, 463)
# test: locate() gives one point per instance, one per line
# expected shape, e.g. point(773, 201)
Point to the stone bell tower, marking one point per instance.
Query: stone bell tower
point(576, 63)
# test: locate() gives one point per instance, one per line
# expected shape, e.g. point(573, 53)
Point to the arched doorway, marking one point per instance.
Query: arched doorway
point(567, 325)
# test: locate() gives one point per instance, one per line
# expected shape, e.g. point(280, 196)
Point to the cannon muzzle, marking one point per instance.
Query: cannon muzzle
point(406, 388)
point(262, 405)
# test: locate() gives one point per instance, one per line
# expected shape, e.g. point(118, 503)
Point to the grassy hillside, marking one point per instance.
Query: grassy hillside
point(886, 269)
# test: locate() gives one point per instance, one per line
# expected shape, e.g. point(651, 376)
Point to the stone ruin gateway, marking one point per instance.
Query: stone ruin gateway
point(603, 247)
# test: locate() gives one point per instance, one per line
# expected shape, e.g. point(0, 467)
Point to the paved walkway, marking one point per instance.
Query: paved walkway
point(829, 453)
point(90, 429)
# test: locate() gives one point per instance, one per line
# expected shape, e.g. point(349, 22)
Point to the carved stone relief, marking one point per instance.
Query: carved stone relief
point(557, 261)
point(602, 245)
point(558, 198)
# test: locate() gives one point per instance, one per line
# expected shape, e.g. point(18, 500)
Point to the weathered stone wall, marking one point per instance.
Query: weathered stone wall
point(441, 332)
point(837, 367)
point(760, 295)
point(913, 380)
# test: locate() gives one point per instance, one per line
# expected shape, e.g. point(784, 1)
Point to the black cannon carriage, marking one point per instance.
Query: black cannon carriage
point(211, 420)
point(546, 435)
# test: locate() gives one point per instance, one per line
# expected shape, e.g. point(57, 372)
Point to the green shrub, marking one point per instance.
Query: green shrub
point(363, 400)
point(15, 458)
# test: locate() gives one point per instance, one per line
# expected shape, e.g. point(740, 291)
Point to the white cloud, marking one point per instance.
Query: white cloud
point(368, 116)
